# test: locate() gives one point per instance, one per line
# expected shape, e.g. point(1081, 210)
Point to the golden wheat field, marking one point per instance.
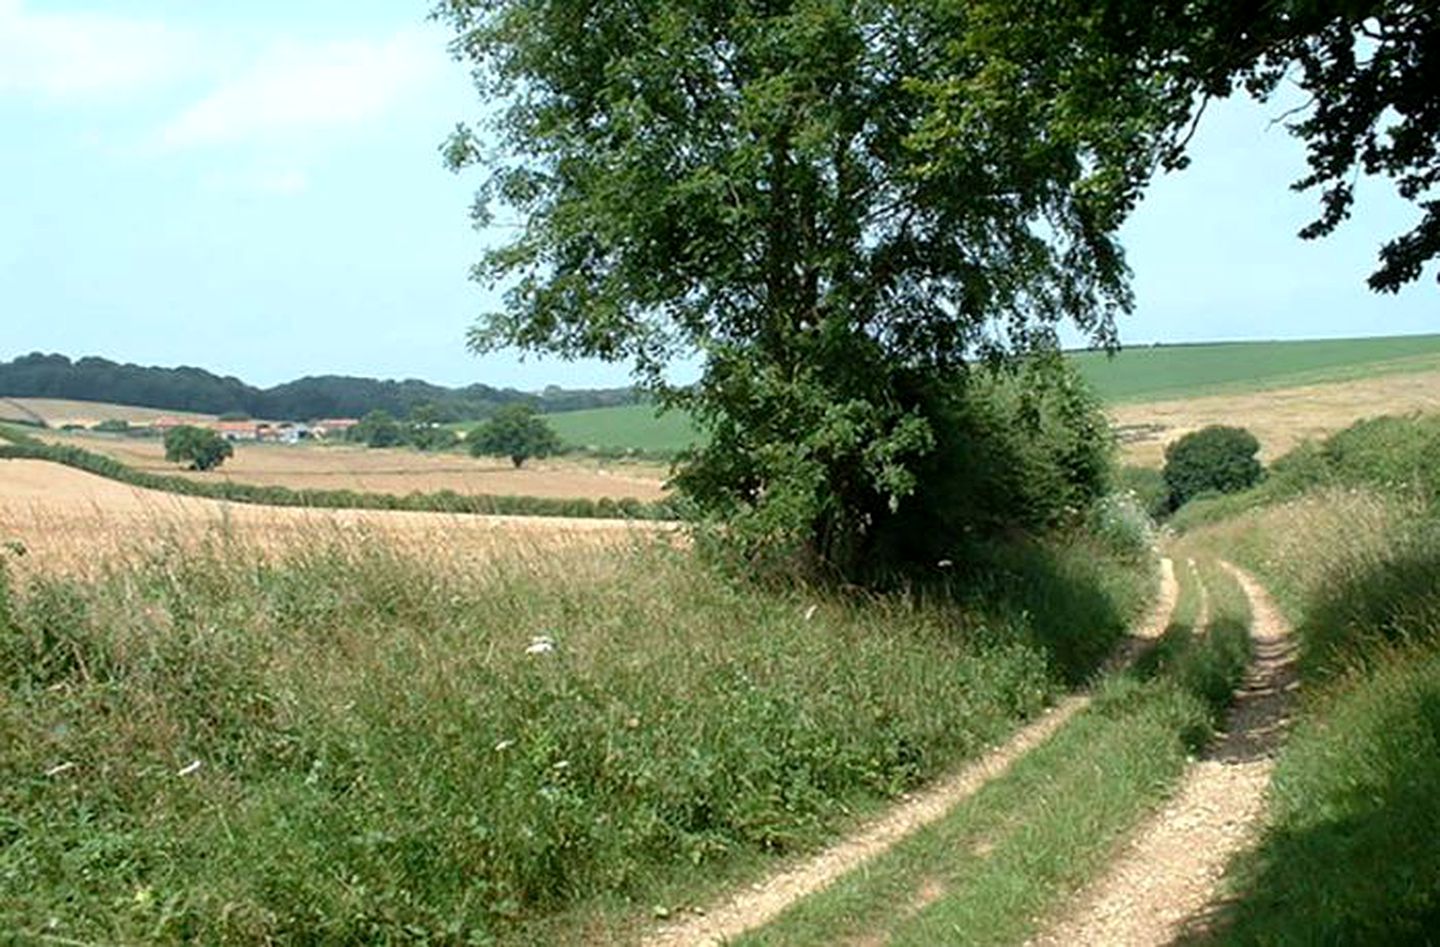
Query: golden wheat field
point(392, 470)
point(69, 519)
point(1280, 418)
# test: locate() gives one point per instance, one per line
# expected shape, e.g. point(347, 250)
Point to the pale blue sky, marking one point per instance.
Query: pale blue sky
point(255, 188)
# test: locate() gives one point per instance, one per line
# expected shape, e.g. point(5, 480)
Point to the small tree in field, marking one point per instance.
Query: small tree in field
point(515, 431)
point(1214, 458)
point(201, 447)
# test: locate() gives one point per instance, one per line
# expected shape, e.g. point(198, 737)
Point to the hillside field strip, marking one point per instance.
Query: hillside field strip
point(58, 412)
point(391, 470)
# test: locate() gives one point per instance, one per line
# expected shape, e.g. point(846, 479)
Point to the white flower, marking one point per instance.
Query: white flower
point(541, 644)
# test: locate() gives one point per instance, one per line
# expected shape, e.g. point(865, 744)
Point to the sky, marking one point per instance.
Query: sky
point(256, 188)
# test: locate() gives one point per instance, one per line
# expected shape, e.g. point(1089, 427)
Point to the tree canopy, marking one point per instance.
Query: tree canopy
point(838, 205)
point(515, 431)
point(201, 448)
point(1368, 71)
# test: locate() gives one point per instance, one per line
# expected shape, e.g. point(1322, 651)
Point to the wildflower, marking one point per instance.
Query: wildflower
point(541, 644)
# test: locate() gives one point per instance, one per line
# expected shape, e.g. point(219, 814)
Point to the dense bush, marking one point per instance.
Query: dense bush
point(1026, 449)
point(1218, 458)
point(201, 448)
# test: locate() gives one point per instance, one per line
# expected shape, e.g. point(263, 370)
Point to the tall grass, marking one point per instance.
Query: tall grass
point(351, 744)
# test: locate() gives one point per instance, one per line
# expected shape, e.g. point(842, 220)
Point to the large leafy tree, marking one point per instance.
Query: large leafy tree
point(200, 447)
point(517, 432)
point(836, 204)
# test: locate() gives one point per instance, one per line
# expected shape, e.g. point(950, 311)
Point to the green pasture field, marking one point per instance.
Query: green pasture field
point(1165, 372)
point(1148, 373)
point(635, 426)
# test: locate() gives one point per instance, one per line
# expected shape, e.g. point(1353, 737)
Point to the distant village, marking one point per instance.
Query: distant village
point(280, 432)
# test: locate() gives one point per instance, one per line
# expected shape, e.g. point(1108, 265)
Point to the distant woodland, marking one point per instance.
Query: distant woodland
point(324, 396)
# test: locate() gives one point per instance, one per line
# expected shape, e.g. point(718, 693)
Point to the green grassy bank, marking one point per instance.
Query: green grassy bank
point(345, 745)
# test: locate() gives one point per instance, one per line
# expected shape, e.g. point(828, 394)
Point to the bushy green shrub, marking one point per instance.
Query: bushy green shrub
point(1217, 457)
point(1026, 448)
point(1147, 485)
point(201, 448)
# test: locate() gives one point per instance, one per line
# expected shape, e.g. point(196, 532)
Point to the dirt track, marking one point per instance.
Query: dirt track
point(767, 899)
point(1162, 883)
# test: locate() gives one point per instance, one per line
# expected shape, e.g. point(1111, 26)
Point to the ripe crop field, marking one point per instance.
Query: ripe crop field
point(69, 518)
point(396, 471)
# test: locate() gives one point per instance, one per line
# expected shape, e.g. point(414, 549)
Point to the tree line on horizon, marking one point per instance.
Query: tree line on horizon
point(185, 388)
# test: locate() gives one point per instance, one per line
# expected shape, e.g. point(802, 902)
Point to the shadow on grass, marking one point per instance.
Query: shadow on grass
point(1073, 602)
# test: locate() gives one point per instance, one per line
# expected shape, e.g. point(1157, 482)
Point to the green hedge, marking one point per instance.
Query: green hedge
point(24, 447)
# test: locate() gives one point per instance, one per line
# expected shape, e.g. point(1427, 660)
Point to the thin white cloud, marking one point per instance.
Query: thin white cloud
point(309, 88)
point(273, 182)
point(83, 55)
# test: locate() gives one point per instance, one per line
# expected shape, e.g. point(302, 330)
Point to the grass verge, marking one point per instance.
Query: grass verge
point(987, 871)
point(345, 744)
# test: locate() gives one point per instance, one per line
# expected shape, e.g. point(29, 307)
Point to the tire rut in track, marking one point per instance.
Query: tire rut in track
point(1165, 879)
point(766, 900)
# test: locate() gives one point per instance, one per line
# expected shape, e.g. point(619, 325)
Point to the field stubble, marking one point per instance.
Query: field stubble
point(393, 470)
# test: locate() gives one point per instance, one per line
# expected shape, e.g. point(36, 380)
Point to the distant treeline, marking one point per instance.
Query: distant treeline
point(325, 396)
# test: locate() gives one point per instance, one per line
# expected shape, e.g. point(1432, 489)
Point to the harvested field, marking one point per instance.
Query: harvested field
point(71, 519)
point(1280, 418)
point(57, 412)
point(396, 471)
